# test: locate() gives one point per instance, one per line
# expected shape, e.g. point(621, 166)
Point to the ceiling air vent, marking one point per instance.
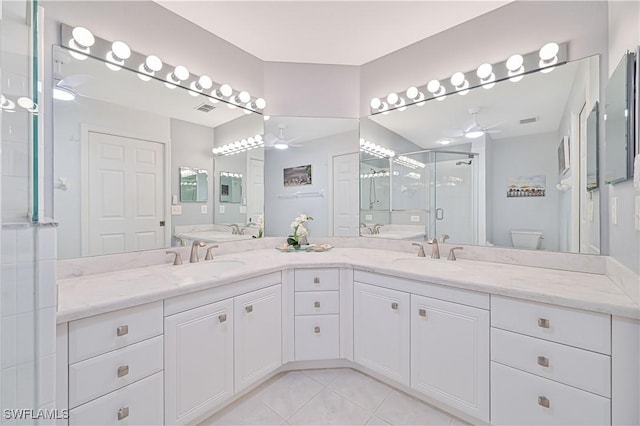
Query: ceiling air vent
point(205, 107)
point(528, 120)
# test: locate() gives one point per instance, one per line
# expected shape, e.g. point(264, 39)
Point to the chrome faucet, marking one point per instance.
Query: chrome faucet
point(421, 251)
point(209, 255)
point(444, 238)
point(452, 254)
point(435, 251)
point(194, 251)
point(364, 226)
point(235, 229)
point(376, 228)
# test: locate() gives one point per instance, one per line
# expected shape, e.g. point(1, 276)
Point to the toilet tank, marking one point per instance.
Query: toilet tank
point(526, 239)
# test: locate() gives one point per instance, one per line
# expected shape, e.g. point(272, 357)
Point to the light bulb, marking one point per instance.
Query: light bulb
point(433, 86)
point(181, 73)
point(266, 117)
point(412, 92)
point(226, 90)
point(375, 103)
point(244, 96)
point(27, 103)
point(205, 82)
point(7, 104)
point(549, 51)
point(121, 50)
point(484, 71)
point(457, 79)
point(514, 63)
point(393, 98)
point(83, 37)
point(153, 63)
point(261, 103)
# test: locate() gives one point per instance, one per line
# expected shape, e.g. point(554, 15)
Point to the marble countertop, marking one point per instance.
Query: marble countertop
point(104, 292)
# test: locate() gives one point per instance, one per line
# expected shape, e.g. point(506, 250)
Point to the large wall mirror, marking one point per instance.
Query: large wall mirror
point(521, 181)
point(134, 167)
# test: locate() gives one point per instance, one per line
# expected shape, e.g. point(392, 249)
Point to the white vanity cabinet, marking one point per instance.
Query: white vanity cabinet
point(257, 335)
point(450, 354)
point(381, 330)
point(317, 314)
point(550, 365)
point(115, 367)
point(198, 361)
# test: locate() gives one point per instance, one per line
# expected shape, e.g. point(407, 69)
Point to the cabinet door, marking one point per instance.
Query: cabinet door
point(381, 330)
point(198, 361)
point(258, 335)
point(450, 354)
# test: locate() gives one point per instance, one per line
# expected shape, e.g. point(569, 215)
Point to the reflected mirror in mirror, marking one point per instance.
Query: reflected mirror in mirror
point(619, 121)
point(194, 185)
point(592, 148)
point(230, 187)
point(119, 145)
point(330, 147)
point(482, 168)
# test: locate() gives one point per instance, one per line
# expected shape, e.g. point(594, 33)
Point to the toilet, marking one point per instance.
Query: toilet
point(526, 239)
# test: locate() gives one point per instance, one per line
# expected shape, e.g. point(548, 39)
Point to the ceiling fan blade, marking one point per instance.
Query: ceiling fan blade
point(493, 131)
point(493, 125)
point(269, 139)
point(75, 80)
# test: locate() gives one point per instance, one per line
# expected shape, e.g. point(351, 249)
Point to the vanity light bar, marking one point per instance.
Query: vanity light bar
point(117, 55)
point(239, 146)
point(409, 162)
point(486, 75)
point(375, 150)
point(377, 174)
point(228, 174)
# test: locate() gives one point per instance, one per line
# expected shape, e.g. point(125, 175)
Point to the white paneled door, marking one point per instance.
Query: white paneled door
point(255, 189)
point(125, 197)
point(346, 181)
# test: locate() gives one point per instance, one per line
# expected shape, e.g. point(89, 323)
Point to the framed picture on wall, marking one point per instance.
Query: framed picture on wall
point(296, 176)
point(563, 156)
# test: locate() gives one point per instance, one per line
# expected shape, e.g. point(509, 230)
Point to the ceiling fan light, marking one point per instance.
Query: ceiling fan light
point(62, 93)
point(474, 134)
point(280, 145)
point(445, 141)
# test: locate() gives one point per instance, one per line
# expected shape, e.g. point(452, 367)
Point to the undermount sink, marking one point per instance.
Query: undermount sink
point(426, 265)
point(205, 268)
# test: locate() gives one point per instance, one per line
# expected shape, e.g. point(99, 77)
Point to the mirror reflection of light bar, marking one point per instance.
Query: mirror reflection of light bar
point(375, 150)
point(409, 162)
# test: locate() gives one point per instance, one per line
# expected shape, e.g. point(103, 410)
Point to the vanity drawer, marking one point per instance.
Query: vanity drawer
point(317, 279)
point(582, 369)
point(99, 334)
point(317, 302)
point(97, 376)
point(137, 404)
point(519, 398)
point(317, 337)
point(574, 327)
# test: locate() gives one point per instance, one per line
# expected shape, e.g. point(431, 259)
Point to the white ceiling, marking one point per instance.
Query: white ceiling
point(326, 32)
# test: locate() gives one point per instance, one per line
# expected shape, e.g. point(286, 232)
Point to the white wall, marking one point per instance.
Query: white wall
point(311, 90)
point(524, 156)
point(191, 147)
point(624, 238)
point(280, 212)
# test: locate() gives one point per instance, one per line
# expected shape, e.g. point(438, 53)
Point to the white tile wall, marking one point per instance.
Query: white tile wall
point(27, 288)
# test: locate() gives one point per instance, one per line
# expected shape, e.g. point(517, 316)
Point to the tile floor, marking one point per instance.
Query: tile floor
point(328, 397)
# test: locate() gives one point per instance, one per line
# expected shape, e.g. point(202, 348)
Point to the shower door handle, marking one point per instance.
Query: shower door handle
point(439, 214)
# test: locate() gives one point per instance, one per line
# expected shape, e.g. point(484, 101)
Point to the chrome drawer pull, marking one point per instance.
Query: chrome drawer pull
point(123, 413)
point(316, 304)
point(422, 312)
point(317, 330)
point(543, 361)
point(123, 330)
point(316, 280)
point(543, 323)
point(394, 305)
point(123, 370)
point(248, 308)
point(543, 401)
point(222, 318)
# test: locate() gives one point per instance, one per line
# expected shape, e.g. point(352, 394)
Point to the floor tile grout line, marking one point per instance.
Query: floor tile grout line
point(323, 387)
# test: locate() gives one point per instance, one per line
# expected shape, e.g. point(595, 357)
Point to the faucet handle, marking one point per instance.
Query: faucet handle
point(444, 238)
point(452, 254)
point(178, 258)
point(209, 255)
point(421, 251)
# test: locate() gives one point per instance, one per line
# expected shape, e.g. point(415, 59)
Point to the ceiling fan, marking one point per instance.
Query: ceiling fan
point(475, 130)
point(279, 142)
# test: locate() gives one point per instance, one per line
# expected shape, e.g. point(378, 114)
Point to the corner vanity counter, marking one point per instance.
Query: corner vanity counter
point(489, 342)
